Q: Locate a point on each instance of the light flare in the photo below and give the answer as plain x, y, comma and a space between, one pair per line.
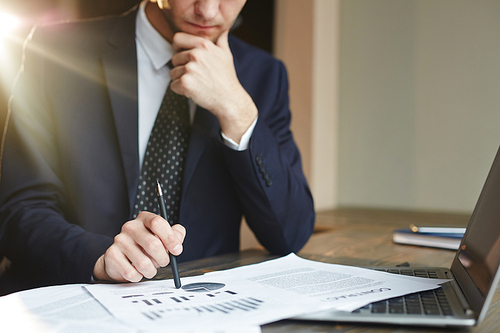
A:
8, 23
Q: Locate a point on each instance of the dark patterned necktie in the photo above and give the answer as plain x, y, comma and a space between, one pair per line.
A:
165, 157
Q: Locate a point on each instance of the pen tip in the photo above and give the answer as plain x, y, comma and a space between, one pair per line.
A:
158, 188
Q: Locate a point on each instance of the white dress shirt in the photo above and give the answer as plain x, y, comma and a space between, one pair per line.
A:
153, 54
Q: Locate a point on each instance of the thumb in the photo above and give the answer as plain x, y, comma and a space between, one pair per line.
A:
222, 41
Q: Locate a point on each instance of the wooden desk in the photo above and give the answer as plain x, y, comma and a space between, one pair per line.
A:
356, 237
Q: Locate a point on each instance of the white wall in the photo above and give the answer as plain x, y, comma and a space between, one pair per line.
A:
325, 103
419, 120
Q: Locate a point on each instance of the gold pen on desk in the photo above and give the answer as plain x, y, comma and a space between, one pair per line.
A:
173, 259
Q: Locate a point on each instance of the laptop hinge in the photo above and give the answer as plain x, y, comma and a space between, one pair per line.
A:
460, 294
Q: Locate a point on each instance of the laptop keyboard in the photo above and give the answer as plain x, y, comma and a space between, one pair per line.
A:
430, 303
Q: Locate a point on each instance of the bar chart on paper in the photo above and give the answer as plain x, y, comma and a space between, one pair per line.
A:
200, 299
150, 305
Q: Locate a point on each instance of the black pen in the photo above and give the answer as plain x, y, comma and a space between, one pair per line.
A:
173, 259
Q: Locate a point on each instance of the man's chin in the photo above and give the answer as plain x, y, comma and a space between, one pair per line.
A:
210, 34
211, 37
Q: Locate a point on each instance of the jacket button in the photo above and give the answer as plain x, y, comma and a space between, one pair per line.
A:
268, 179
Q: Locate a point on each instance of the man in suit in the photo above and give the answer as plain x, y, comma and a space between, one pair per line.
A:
81, 115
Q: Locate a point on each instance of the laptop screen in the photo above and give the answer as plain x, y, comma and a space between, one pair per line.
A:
479, 253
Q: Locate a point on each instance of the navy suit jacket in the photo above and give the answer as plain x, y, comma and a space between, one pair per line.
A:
70, 163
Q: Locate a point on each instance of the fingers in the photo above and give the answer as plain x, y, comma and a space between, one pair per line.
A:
179, 60
167, 236
204, 71
184, 44
114, 266
127, 265
183, 41
142, 246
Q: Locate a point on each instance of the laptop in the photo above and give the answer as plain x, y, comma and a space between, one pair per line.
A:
474, 272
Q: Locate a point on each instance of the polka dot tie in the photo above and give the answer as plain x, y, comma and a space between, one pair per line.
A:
165, 157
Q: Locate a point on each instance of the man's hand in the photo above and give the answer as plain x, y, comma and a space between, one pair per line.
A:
204, 71
139, 249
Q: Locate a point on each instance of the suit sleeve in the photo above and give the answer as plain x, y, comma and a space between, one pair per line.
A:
268, 176
35, 232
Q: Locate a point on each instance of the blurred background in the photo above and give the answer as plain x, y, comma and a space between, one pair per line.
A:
395, 103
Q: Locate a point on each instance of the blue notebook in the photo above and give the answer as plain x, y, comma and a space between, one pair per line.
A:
443, 240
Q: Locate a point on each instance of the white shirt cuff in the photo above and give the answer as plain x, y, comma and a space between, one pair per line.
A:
245, 139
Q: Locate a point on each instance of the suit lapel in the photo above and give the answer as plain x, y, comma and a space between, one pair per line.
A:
205, 126
120, 67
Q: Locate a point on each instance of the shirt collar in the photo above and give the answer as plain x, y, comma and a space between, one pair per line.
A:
157, 48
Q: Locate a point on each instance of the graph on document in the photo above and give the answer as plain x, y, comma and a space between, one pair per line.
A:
195, 300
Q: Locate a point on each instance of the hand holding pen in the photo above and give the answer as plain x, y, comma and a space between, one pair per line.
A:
143, 245
173, 259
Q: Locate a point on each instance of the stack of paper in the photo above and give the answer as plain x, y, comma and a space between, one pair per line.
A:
238, 299
253, 295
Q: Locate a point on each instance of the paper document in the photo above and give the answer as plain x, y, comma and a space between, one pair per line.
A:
214, 301
67, 309
341, 287
252, 295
